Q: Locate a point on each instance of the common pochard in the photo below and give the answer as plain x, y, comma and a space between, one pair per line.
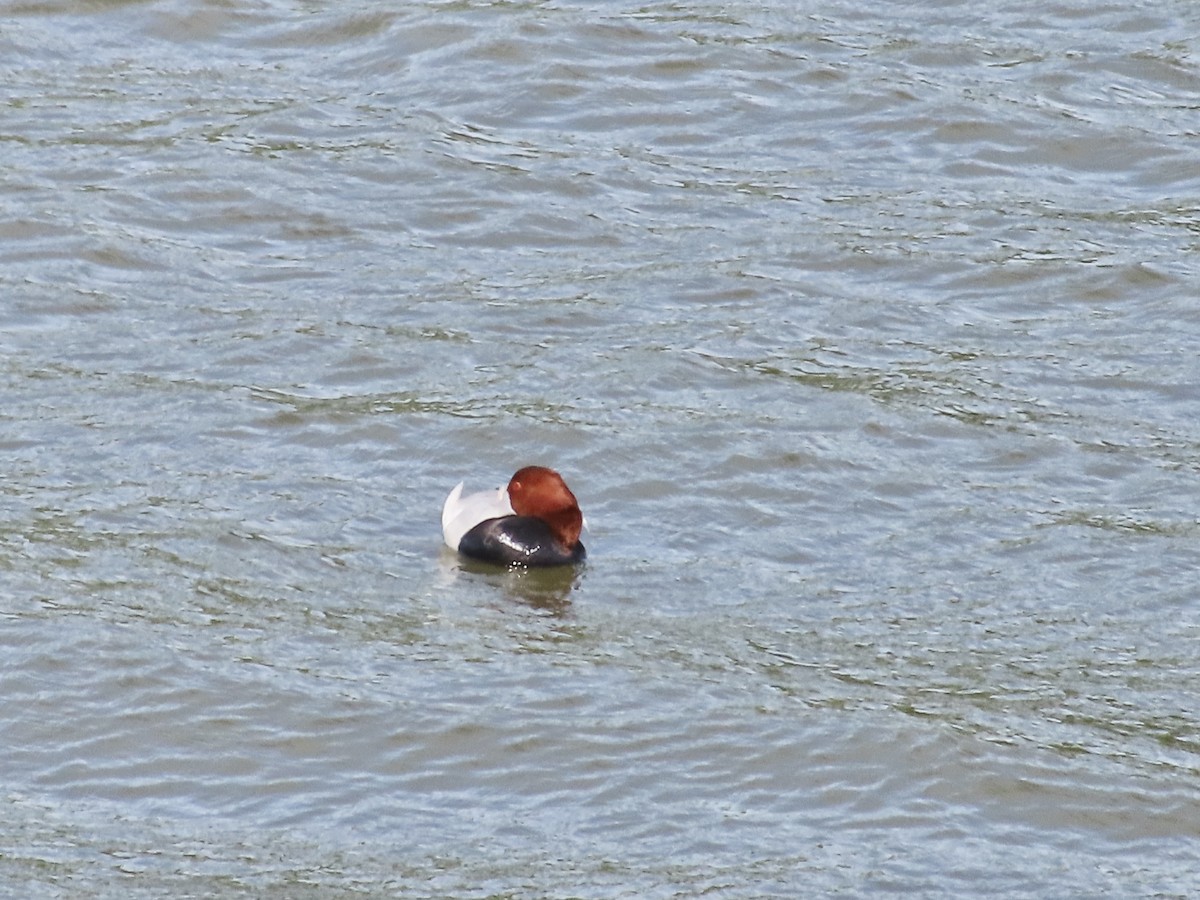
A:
534, 521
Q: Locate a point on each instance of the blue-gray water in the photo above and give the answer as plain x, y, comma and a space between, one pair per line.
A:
868, 335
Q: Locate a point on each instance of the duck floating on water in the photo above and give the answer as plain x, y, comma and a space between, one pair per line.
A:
534, 521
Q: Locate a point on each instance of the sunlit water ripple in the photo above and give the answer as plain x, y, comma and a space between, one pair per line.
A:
866, 336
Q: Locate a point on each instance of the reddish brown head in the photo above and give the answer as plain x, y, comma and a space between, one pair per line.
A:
538, 491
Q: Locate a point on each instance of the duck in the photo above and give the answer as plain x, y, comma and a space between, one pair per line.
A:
533, 521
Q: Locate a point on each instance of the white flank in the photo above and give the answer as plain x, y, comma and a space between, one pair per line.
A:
460, 514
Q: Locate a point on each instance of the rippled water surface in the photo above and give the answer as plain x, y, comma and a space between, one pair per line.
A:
866, 333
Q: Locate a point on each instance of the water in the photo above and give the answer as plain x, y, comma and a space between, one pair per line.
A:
866, 336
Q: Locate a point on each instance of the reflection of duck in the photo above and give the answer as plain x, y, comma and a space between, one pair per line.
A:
545, 589
535, 521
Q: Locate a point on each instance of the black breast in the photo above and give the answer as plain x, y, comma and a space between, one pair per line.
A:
524, 540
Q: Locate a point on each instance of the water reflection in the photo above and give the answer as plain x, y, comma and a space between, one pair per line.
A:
544, 589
